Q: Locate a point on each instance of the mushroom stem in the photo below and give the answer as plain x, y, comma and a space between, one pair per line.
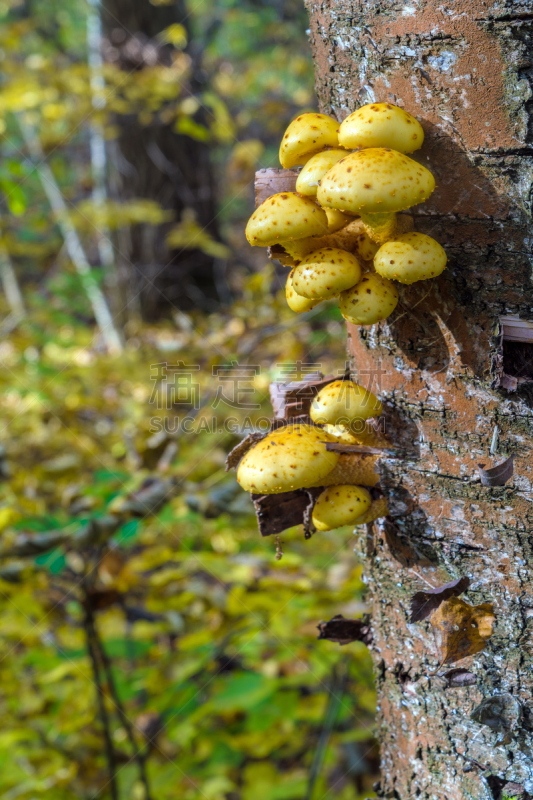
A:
352, 468
381, 226
377, 509
299, 248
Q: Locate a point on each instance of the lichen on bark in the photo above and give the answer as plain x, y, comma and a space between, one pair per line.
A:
464, 71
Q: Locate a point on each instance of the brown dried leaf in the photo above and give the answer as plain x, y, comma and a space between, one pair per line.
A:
498, 475
273, 181
459, 677
343, 631
294, 398
461, 629
277, 512
423, 604
235, 455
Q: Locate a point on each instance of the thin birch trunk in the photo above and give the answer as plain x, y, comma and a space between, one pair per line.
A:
96, 133
75, 249
10, 285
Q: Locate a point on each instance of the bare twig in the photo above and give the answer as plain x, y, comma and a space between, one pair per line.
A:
337, 688
90, 632
138, 756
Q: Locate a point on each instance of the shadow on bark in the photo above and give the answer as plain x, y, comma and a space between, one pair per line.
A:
449, 322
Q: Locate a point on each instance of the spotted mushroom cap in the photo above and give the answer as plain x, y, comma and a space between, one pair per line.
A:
341, 402
306, 135
295, 301
340, 505
381, 125
373, 299
325, 273
309, 178
293, 457
375, 180
283, 217
410, 257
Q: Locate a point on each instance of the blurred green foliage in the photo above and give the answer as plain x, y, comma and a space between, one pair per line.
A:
209, 642
213, 641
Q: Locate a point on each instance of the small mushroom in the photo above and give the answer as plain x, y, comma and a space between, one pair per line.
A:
353, 236
372, 300
340, 505
295, 457
381, 125
410, 257
375, 183
298, 249
343, 402
337, 219
359, 431
309, 178
342, 434
325, 273
306, 135
284, 217
365, 247
295, 301
378, 509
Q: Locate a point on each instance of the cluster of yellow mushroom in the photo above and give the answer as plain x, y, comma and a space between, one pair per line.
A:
340, 231
296, 457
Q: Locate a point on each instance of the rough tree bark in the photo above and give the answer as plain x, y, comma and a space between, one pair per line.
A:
464, 70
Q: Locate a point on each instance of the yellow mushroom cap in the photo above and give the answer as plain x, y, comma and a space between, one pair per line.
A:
340, 505
341, 434
410, 257
305, 136
376, 180
381, 125
295, 301
309, 178
325, 273
283, 217
359, 432
341, 402
293, 457
336, 219
373, 298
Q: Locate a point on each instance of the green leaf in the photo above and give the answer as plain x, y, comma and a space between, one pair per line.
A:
243, 691
14, 196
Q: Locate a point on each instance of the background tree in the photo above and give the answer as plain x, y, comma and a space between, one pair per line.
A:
448, 382
164, 157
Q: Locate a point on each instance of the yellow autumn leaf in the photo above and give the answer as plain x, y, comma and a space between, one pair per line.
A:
8, 516
189, 235
461, 629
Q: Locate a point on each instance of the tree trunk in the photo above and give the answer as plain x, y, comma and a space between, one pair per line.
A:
152, 161
463, 70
